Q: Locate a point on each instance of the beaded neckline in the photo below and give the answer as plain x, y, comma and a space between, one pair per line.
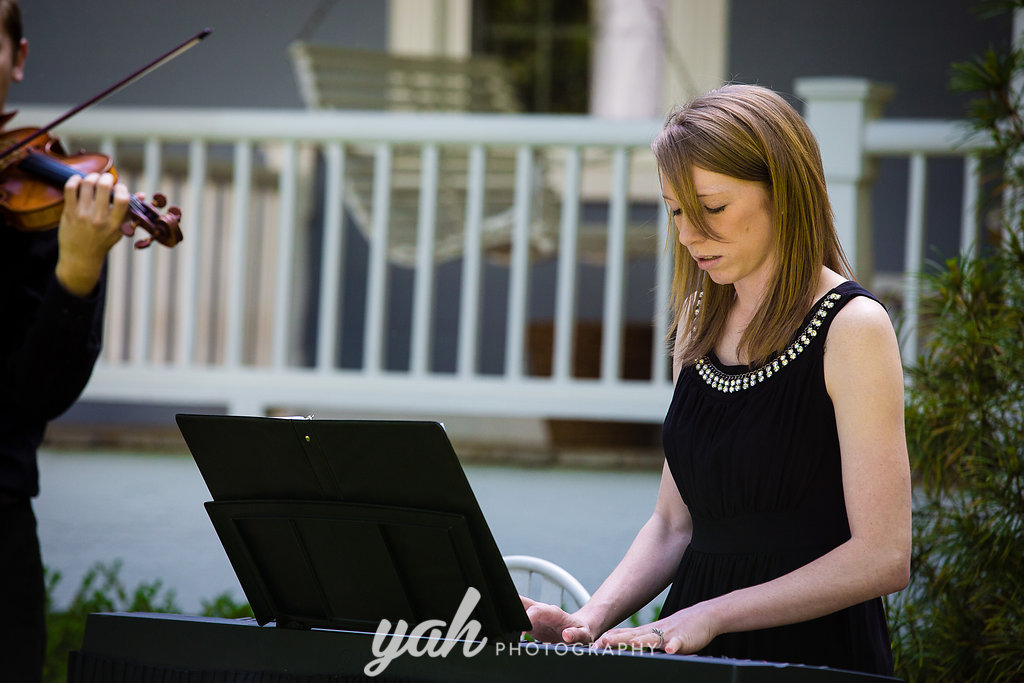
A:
726, 383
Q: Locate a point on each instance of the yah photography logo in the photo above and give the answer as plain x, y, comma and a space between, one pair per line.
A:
429, 638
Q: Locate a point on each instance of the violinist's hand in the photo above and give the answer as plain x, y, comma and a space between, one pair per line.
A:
553, 625
685, 632
89, 226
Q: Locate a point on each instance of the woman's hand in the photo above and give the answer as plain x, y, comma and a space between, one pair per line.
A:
92, 222
554, 625
685, 632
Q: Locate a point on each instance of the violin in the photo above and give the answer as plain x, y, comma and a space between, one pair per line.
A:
34, 168
32, 181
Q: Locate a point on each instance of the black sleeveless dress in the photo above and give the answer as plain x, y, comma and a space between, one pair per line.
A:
755, 455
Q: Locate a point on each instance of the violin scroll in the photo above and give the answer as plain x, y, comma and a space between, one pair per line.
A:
161, 227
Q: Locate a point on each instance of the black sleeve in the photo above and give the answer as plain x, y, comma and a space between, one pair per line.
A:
47, 372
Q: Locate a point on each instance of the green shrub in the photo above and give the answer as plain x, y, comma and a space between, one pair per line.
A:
102, 590
962, 616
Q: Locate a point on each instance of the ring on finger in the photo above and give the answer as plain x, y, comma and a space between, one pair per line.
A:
661, 637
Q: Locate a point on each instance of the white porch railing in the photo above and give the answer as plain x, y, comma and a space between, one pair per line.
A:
220, 318
238, 316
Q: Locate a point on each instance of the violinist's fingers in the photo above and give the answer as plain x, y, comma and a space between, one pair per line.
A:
80, 193
71, 189
97, 204
93, 202
119, 206
98, 198
88, 229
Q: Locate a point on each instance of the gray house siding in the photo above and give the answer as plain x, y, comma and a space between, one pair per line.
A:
909, 44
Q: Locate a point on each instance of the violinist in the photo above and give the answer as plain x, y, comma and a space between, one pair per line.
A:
52, 285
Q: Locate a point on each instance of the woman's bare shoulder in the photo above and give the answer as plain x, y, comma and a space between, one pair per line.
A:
862, 344
861, 315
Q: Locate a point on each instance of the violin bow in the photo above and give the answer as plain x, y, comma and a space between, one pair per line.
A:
131, 78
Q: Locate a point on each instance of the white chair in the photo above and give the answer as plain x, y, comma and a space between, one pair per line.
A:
545, 581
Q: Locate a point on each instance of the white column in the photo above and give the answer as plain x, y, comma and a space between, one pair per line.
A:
627, 59
838, 110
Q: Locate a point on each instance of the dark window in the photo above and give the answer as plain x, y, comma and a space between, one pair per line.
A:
544, 44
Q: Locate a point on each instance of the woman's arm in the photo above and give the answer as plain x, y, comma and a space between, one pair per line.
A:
643, 572
864, 378
649, 564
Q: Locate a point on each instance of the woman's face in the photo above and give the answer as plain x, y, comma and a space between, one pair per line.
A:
739, 212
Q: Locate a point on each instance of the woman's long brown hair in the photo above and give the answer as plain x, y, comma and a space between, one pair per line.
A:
750, 133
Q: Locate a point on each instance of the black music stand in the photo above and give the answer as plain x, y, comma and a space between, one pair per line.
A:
340, 524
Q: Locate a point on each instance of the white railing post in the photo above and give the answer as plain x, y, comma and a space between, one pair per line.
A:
518, 273
615, 270
838, 110
423, 288
469, 313
237, 250
374, 336
565, 296
329, 316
